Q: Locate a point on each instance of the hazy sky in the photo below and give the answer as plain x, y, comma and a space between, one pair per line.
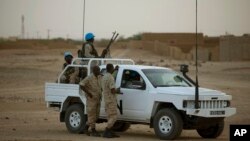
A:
128, 17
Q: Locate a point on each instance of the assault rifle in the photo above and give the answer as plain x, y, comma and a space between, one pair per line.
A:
107, 49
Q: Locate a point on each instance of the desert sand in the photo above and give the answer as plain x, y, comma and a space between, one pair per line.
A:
24, 71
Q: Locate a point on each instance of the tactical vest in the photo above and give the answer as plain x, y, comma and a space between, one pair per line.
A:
81, 53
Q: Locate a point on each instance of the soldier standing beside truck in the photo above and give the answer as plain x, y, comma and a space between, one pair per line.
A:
91, 85
109, 92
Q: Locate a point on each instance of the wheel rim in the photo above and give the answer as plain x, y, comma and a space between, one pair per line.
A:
165, 124
75, 119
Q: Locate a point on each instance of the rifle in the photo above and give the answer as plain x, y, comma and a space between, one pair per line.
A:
113, 38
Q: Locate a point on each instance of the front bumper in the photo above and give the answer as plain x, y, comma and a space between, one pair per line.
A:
223, 112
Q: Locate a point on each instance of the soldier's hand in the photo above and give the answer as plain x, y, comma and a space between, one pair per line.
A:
118, 90
90, 95
105, 51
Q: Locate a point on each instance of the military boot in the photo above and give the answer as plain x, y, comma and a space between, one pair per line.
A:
114, 134
109, 134
94, 133
86, 130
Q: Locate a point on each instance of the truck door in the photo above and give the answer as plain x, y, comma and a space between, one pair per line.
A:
134, 95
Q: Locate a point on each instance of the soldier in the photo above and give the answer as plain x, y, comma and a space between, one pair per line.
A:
91, 85
109, 93
88, 49
70, 75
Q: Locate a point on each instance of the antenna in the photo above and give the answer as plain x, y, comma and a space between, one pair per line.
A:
22, 28
196, 60
48, 33
37, 35
84, 3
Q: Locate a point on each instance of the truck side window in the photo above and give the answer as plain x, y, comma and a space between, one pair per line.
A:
132, 80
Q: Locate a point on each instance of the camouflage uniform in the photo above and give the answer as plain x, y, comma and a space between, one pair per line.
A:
70, 75
108, 83
93, 84
88, 51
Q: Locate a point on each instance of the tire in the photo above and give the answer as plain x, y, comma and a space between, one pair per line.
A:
213, 131
167, 124
121, 126
75, 119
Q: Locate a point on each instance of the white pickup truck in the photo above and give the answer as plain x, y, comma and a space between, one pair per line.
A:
156, 96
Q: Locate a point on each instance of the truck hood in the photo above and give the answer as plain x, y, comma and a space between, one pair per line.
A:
187, 91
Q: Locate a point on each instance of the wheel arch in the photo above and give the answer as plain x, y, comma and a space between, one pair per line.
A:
69, 101
158, 106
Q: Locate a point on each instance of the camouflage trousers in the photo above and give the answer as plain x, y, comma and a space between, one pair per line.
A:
111, 110
93, 110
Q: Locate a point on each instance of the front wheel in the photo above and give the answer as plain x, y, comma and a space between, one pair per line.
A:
167, 124
75, 119
212, 131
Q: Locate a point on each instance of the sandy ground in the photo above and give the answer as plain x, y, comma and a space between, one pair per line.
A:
23, 112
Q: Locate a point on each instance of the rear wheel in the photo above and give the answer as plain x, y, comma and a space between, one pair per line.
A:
212, 131
167, 124
121, 126
75, 119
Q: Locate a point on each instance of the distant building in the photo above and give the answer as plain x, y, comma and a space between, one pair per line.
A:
234, 48
224, 48
185, 41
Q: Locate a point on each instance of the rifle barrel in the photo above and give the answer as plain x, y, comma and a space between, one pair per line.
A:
113, 38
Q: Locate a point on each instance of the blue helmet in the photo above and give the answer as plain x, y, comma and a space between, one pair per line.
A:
89, 36
67, 54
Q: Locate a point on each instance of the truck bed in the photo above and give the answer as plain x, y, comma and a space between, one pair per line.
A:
56, 93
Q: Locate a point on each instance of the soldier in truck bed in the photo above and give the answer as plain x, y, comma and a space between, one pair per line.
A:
88, 48
71, 74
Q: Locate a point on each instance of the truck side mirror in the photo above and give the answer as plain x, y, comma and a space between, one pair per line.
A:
184, 68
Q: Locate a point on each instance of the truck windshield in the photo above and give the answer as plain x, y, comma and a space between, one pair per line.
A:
165, 78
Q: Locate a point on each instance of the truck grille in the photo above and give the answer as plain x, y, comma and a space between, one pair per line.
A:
209, 104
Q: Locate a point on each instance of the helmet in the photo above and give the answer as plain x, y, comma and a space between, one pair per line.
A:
89, 36
67, 54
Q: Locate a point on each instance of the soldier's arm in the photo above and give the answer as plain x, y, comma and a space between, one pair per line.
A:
113, 91
83, 87
86, 91
112, 85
